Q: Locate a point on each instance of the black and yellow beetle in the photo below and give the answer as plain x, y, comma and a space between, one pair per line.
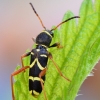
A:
38, 60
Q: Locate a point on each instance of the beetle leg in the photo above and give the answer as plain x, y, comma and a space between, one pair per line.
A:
24, 55
58, 45
42, 73
50, 56
11, 78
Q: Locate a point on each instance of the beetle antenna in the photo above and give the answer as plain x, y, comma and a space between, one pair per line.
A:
64, 22
37, 16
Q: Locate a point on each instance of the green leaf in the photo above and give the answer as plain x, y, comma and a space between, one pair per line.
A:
80, 39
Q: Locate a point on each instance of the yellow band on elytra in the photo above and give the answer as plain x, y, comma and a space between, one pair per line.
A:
35, 93
35, 79
43, 55
39, 65
33, 63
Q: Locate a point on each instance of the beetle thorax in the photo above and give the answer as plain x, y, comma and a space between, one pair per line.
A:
44, 38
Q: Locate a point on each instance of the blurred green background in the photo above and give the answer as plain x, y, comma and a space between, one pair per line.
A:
18, 24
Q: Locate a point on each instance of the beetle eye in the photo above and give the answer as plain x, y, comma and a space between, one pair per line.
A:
51, 33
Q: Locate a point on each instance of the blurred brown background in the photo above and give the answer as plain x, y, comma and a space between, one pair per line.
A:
18, 24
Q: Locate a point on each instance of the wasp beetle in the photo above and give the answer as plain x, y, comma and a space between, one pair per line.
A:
38, 60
